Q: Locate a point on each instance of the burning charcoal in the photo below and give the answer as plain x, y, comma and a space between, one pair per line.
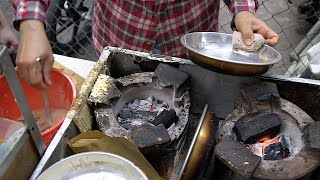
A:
286, 152
128, 114
166, 118
237, 157
313, 135
256, 149
148, 135
285, 146
159, 107
253, 127
169, 76
140, 111
273, 151
129, 119
131, 123
140, 105
259, 147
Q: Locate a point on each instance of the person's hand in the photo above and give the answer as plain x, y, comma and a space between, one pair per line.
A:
8, 38
33, 44
247, 23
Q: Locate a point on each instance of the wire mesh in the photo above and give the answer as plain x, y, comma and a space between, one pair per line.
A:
69, 29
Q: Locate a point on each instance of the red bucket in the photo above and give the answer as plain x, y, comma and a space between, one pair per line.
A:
62, 94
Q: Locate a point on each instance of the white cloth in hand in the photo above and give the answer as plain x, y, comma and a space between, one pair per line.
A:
238, 43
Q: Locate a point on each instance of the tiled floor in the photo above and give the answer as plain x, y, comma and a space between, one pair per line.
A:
278, 14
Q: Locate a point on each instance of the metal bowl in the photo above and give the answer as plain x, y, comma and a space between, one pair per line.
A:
94, 165
214, 51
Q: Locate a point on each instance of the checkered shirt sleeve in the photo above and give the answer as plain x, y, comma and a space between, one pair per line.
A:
29, 9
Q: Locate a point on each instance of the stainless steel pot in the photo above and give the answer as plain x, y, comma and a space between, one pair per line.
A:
94, 165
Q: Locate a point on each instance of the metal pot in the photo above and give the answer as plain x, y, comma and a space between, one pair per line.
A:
213, 51
94, 165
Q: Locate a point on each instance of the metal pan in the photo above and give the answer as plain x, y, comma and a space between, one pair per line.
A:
201, 149
214, 51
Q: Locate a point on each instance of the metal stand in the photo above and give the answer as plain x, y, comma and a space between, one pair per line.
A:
9, 71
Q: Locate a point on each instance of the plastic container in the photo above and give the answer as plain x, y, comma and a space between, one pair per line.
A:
7, 128
62, 94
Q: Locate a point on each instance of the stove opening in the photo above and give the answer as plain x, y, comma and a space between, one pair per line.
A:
149, 110
269, 148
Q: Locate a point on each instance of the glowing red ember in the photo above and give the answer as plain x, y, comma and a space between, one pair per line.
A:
270, 148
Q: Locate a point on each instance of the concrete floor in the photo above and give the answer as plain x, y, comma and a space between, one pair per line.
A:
278, 14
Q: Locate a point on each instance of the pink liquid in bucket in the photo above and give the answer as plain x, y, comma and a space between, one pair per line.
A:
62, 94
41, 118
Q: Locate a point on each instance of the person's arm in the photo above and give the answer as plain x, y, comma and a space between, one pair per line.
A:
7, 36
236, 6
247, 23
30, 21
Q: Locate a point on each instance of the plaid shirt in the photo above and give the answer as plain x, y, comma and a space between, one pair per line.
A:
142, 24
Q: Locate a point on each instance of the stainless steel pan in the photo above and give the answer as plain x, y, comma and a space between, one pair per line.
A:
201, 148
214, 51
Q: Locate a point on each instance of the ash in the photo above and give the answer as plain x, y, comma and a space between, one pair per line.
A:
135, 113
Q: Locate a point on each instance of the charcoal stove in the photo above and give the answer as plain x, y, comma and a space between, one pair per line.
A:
206, 87
294, 122
127, 108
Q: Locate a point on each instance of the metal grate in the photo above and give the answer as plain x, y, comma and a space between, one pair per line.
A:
69, 29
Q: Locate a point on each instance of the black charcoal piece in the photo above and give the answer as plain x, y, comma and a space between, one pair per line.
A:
273, 151
166, 117
169, 76
261, 92
148, 135
253, 127
128, 114
313, 135
237, 157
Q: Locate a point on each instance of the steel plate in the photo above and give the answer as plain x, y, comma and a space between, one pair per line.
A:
214, 51
94, 165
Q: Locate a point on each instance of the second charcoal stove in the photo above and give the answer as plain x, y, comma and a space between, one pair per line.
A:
264, 137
